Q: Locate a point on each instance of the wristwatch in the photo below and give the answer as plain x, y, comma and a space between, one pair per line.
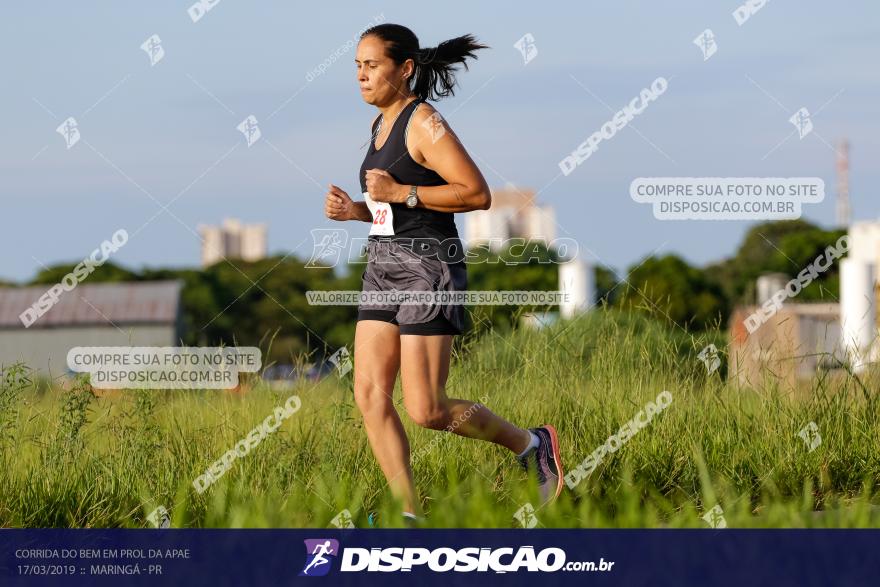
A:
412, 199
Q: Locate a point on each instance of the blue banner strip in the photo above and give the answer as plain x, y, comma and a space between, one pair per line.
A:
439, 557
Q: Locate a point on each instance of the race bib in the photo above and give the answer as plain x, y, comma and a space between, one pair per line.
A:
383, 217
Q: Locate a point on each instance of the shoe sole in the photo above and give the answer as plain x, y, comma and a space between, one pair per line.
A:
554, 443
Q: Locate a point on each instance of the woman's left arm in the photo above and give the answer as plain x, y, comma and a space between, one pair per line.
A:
435, 146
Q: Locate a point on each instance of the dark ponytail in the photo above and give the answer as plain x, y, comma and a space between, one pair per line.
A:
435, 67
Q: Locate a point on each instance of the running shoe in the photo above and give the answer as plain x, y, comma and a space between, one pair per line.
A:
411, 520
408, 520
545, 461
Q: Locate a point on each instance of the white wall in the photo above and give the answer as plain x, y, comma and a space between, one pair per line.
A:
45, 349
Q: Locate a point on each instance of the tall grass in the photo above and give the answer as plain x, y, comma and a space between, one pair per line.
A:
75, 458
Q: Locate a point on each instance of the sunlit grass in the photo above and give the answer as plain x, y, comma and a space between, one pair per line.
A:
70, 458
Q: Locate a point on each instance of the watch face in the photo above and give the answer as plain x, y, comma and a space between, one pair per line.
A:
412, 200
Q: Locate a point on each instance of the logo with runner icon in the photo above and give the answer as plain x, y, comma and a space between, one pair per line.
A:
318, 556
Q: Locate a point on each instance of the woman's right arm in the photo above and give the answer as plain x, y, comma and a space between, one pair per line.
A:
361, 212
339, 206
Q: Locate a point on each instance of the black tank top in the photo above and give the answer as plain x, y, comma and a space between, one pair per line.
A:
430, 228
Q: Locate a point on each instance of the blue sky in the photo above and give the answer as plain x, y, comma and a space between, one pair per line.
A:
149, 133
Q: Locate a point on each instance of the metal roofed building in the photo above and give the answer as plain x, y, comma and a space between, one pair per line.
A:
101, 314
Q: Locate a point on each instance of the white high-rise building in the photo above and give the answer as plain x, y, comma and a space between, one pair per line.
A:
514, 214
232, 240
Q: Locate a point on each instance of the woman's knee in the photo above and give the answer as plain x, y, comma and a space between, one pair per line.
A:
371, 397
433, 416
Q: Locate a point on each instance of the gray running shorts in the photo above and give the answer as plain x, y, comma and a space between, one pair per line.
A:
392, 266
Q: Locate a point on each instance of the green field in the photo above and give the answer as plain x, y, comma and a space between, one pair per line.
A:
71, 459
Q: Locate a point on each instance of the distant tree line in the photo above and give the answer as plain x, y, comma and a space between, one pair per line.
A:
251, 303
668, 288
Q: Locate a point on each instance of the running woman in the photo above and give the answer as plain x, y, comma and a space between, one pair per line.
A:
415, 176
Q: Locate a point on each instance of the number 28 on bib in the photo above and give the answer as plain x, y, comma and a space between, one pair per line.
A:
383, 217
